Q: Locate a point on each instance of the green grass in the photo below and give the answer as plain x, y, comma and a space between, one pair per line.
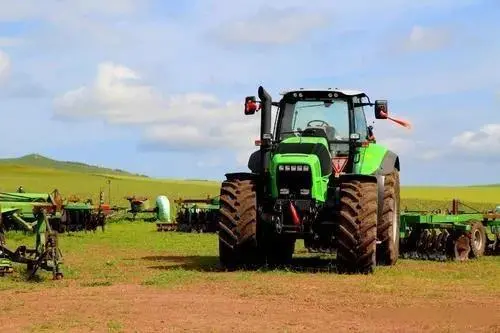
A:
137, 253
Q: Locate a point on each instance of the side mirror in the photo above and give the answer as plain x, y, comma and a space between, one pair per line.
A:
251, 105
381, 110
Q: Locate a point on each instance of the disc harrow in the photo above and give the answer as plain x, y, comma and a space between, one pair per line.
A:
451, 235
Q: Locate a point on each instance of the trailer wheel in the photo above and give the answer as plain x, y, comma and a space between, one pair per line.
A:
478, 239
237, 223
388, 227
356, 252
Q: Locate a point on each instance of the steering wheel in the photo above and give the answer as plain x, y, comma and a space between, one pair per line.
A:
324, 123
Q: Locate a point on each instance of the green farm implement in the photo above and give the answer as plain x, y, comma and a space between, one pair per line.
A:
319, 176
139, 205
63, 215
193, 215
451, 234
23, 203
45, 255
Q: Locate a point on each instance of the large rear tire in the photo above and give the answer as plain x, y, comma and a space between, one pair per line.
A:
388, 226
237, 224
356, 252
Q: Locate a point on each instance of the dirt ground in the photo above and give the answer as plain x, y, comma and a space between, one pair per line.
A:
286, 306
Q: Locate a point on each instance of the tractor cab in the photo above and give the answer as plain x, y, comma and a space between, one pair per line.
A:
336, 115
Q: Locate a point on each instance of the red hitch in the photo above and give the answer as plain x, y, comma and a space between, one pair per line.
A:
294, 214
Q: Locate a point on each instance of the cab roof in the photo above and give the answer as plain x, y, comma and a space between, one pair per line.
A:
347, 92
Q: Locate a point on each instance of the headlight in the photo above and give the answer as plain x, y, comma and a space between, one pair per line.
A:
295, 167
284, 191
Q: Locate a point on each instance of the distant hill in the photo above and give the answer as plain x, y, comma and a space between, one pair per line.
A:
36, 160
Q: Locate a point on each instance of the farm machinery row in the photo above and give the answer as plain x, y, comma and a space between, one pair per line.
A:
191, 214
67, 215
44, 216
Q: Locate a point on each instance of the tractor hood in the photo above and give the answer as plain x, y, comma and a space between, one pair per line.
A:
305, 150
288, 172
300, 145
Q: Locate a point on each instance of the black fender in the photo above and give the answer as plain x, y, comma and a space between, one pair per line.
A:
389, 163
352, 176
254, 161
241, 176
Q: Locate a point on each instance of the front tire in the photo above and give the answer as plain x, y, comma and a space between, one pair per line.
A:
356, 252
237, 224
388, 227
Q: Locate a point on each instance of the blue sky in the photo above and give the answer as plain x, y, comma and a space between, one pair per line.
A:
156, 87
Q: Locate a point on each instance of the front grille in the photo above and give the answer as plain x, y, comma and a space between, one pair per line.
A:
294, 181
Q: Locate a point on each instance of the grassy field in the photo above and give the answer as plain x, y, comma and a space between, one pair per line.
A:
120, 273
132, 278
85, 185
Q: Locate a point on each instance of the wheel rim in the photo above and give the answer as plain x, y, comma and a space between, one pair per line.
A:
394, 222
478, 239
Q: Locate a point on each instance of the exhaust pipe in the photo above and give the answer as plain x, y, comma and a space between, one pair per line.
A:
265, 127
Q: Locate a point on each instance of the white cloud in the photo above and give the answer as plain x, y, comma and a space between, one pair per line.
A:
427, 39
187, 121
485, 141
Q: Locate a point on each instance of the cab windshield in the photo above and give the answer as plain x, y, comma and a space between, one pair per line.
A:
331, 116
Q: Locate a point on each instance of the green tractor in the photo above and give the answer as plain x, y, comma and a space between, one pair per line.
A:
319, 176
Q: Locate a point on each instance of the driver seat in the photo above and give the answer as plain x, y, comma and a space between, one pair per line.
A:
328, 132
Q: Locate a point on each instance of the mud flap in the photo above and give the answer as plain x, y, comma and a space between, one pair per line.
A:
380, 198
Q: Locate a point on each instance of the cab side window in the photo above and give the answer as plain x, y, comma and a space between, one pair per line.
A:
360, 124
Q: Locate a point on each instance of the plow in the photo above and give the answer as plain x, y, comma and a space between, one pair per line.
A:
45, 255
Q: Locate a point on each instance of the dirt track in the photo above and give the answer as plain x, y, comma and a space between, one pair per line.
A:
215, 306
